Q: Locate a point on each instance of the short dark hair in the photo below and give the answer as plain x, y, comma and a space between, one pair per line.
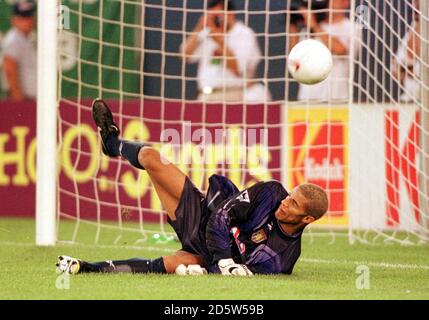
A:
317, 200
230, 5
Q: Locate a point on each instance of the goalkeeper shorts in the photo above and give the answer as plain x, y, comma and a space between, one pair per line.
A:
191, 220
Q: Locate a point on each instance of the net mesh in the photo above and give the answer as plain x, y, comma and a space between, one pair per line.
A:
358, 135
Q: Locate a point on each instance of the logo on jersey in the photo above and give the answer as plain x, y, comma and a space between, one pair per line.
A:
243, 197
241, 246
259, 236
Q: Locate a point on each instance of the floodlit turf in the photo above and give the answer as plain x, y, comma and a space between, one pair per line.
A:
325, 271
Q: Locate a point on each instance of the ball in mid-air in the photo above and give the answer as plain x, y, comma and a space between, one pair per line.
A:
310, 62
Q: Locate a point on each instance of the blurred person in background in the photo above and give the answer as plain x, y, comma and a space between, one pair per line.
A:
227, 53
336, 31
406, 64
19, 54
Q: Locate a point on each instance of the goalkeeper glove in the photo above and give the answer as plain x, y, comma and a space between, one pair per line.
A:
228, 267
192, 270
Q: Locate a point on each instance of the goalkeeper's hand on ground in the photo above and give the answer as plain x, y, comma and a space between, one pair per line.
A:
191, 270
229, 268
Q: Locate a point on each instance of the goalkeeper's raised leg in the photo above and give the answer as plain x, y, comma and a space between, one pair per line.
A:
168, 180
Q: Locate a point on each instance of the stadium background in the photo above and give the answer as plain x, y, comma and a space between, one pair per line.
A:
379, 37
174, 86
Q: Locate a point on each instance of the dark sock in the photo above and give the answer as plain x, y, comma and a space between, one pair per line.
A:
130, 151
135, 265
112, 145
127, 149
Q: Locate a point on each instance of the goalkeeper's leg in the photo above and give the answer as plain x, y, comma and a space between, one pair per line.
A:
167, 264
167, 179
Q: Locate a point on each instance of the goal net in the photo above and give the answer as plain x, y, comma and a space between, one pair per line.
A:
361, 134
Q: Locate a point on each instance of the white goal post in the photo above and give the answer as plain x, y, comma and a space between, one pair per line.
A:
47, 104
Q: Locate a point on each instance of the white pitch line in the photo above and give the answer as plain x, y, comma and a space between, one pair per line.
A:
104, 246
17, 244
368, 263
98, 246
308, 260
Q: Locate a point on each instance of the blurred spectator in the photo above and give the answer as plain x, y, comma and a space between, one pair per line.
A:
406, 66
336, 31
257, 92
227, 53
19, 53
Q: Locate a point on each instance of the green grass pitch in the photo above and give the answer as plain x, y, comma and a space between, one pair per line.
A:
326, 270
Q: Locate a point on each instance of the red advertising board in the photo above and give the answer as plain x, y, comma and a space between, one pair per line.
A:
200, 139
317, 153
401, 164
17, 158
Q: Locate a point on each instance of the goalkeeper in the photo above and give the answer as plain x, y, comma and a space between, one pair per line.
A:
257, 230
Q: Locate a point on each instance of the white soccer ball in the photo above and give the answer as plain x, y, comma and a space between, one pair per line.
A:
310, 62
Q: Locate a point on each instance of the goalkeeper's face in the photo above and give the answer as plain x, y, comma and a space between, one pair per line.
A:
292, 209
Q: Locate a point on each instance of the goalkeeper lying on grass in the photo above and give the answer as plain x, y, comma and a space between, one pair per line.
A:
257, 230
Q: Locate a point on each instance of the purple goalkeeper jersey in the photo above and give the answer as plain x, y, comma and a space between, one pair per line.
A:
243, 227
